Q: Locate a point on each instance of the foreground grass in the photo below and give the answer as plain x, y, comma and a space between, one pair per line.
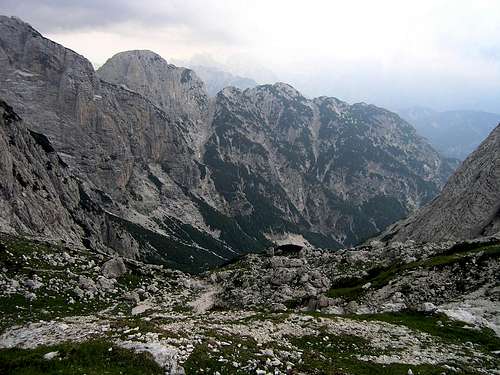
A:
92, 357
238, 350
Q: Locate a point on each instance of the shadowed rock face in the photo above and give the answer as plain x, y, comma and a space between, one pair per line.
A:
469, 205
39, 196
191, 182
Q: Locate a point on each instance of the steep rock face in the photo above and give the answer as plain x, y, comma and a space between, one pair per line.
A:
329, 171
469, 205
39, 196
34, 184
181, 180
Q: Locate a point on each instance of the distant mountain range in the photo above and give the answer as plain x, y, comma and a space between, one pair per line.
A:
453, 133
215, 79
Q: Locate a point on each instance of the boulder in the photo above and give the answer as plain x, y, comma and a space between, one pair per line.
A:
87, 283
105, 283
132, 297
139, 309
113, 268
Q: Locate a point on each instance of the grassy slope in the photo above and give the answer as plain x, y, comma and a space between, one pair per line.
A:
92, 357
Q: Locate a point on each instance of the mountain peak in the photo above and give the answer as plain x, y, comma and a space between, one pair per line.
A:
147, 73
140, 54
286, 88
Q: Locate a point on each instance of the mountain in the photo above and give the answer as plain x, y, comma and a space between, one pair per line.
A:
324, 169
182, 179
215, 79
469, 205
453, 133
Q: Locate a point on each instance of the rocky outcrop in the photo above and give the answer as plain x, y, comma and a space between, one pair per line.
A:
469, 205
366, 280
191, 182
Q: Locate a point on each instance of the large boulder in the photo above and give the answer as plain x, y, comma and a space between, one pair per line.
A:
113, 268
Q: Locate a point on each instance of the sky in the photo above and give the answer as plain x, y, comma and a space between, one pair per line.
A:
443, 54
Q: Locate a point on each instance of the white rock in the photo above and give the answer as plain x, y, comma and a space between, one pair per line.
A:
50, 355
139, 309
113, 268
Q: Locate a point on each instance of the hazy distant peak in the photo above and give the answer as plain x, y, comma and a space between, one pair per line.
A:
216, 79
454, 133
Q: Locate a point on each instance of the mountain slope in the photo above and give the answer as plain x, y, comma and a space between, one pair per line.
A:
454, 133
136, 157
469, 205
286, 163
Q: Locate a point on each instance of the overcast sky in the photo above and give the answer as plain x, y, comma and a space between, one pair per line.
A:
395, 53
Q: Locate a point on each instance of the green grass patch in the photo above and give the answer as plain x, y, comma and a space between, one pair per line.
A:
16, 309
240, 350
92, 357
131, 280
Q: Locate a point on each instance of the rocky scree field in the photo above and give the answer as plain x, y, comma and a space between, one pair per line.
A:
397, 309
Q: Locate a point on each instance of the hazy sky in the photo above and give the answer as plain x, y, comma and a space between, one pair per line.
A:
395, 53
